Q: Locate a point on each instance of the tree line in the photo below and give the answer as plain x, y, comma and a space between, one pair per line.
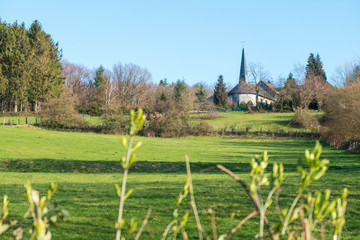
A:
128, 86
30, 69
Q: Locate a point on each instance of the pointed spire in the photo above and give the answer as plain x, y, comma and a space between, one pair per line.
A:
243, 71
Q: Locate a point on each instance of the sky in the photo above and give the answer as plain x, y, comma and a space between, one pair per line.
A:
197, 40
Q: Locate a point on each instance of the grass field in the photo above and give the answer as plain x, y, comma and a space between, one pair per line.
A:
86, 166
267, 121
223, 121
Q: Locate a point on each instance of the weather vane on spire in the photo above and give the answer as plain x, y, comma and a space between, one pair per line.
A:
242, 43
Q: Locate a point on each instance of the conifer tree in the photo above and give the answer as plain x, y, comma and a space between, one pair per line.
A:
319, 68
220, 94
311, 66
201, 94
163, 97
46, 77
314, 67
163, 82
179, 89
99, 77
30, 66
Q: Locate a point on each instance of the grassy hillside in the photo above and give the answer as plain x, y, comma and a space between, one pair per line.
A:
241, 120
86, 167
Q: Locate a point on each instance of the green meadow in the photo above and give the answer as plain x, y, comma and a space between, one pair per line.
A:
221, 121
266, 121
85, 166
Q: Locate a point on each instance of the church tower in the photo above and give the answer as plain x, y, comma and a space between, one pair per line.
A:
243, 71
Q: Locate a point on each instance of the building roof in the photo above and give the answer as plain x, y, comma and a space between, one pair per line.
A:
243, 71
248, 88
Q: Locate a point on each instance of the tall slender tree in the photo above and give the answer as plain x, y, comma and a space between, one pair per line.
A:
220, 94
319, 68
99, 78
47, 76
311, 66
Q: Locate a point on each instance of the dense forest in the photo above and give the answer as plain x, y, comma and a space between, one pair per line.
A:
30, 68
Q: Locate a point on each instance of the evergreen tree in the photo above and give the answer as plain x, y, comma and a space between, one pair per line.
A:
292, 97
319, 68
163, 82
314, 67
30, 66
163, 97
47, 77
179, 89
15, 68
311, 66
99, 77
220, 94
201, 94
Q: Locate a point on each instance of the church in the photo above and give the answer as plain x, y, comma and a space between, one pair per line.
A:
246, 92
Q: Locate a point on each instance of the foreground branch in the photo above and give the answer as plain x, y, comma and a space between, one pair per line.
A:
247, 190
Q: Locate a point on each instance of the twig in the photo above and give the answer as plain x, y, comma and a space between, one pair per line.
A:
254, 213
213, 224
291, 235
123, 188
322, 233
167, 229
286, 222
184, 234
278, 210
143, 225
247, 190
193, 204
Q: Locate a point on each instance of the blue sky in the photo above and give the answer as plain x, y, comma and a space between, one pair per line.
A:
197, 40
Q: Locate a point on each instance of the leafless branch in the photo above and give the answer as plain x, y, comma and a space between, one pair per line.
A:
141, 229
247, 190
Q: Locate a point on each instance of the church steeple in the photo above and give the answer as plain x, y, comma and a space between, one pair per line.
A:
243, 71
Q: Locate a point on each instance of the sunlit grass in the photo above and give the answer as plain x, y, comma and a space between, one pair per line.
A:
86, 166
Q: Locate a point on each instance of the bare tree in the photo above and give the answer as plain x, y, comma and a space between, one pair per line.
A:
258, 74
109, 88
348, 73
130, 82
314, 89
77, 79
342, 116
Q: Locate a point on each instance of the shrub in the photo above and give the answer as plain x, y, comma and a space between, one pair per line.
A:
174, 124
303, 119
59, 113
114, 121
44, 214
342, 117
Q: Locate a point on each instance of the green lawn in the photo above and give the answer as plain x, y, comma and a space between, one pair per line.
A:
241, 120
85, 167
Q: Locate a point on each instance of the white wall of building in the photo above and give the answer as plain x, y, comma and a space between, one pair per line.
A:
238, 98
